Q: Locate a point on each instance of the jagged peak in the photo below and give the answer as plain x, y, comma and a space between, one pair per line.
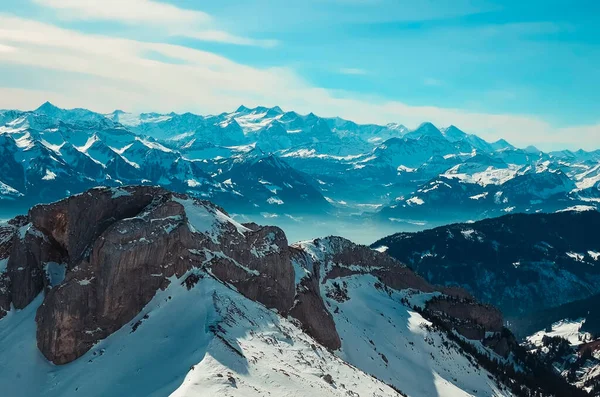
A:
47, 107
452, 128
396, 126
426, 129
426, 125
311, 116
274, 111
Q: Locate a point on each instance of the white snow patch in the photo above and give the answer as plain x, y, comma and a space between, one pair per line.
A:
415, 201
154, 145
595, 255
193, 183
6, 190
374, 324
88, 144
274, 200
578, 208
576, 256
468, 234
49, 176
479, 196
207, 220
403, 168
566, 329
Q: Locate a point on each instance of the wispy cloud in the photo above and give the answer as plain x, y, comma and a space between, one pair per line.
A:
353, 71
6, 48
174, 21
219, 36
103, 73
128, 11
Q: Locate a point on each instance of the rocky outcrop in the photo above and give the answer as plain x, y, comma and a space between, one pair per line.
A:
31, 251
309, 307
7, 232
343, 258
77, 221
258, 264
101, 256
335, 259
470, 318
502, 343
118, 247
24, 252
128, 263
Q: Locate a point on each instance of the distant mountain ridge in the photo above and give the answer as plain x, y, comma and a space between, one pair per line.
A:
386, 174
521, 262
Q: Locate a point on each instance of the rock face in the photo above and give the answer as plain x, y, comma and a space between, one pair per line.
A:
127, 264
471, 319
309, 307
76, 222
117, 247
258, 264
7, 234
335, 258
31, 251
101, 256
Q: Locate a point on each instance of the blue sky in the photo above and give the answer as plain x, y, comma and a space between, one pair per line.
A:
526, 71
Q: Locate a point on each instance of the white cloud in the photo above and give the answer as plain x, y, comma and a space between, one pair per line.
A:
353, 71
172, 20
103, 73
6, 48
128, 11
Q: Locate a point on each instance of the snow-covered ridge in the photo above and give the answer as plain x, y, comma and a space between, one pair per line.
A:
361, 168
227, 308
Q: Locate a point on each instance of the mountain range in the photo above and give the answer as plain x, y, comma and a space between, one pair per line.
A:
290, 169
91, 280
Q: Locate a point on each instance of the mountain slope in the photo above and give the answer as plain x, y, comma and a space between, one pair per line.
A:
521, 263
199, 342
141, 291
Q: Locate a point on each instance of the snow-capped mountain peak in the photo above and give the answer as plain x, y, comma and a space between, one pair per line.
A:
453, 134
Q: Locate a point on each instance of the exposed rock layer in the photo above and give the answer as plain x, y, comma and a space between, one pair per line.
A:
117, 247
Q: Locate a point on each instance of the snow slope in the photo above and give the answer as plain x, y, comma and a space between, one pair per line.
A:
383, 335
395, 343
566, 329
206, 341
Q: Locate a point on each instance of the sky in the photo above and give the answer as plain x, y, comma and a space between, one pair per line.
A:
526, 71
